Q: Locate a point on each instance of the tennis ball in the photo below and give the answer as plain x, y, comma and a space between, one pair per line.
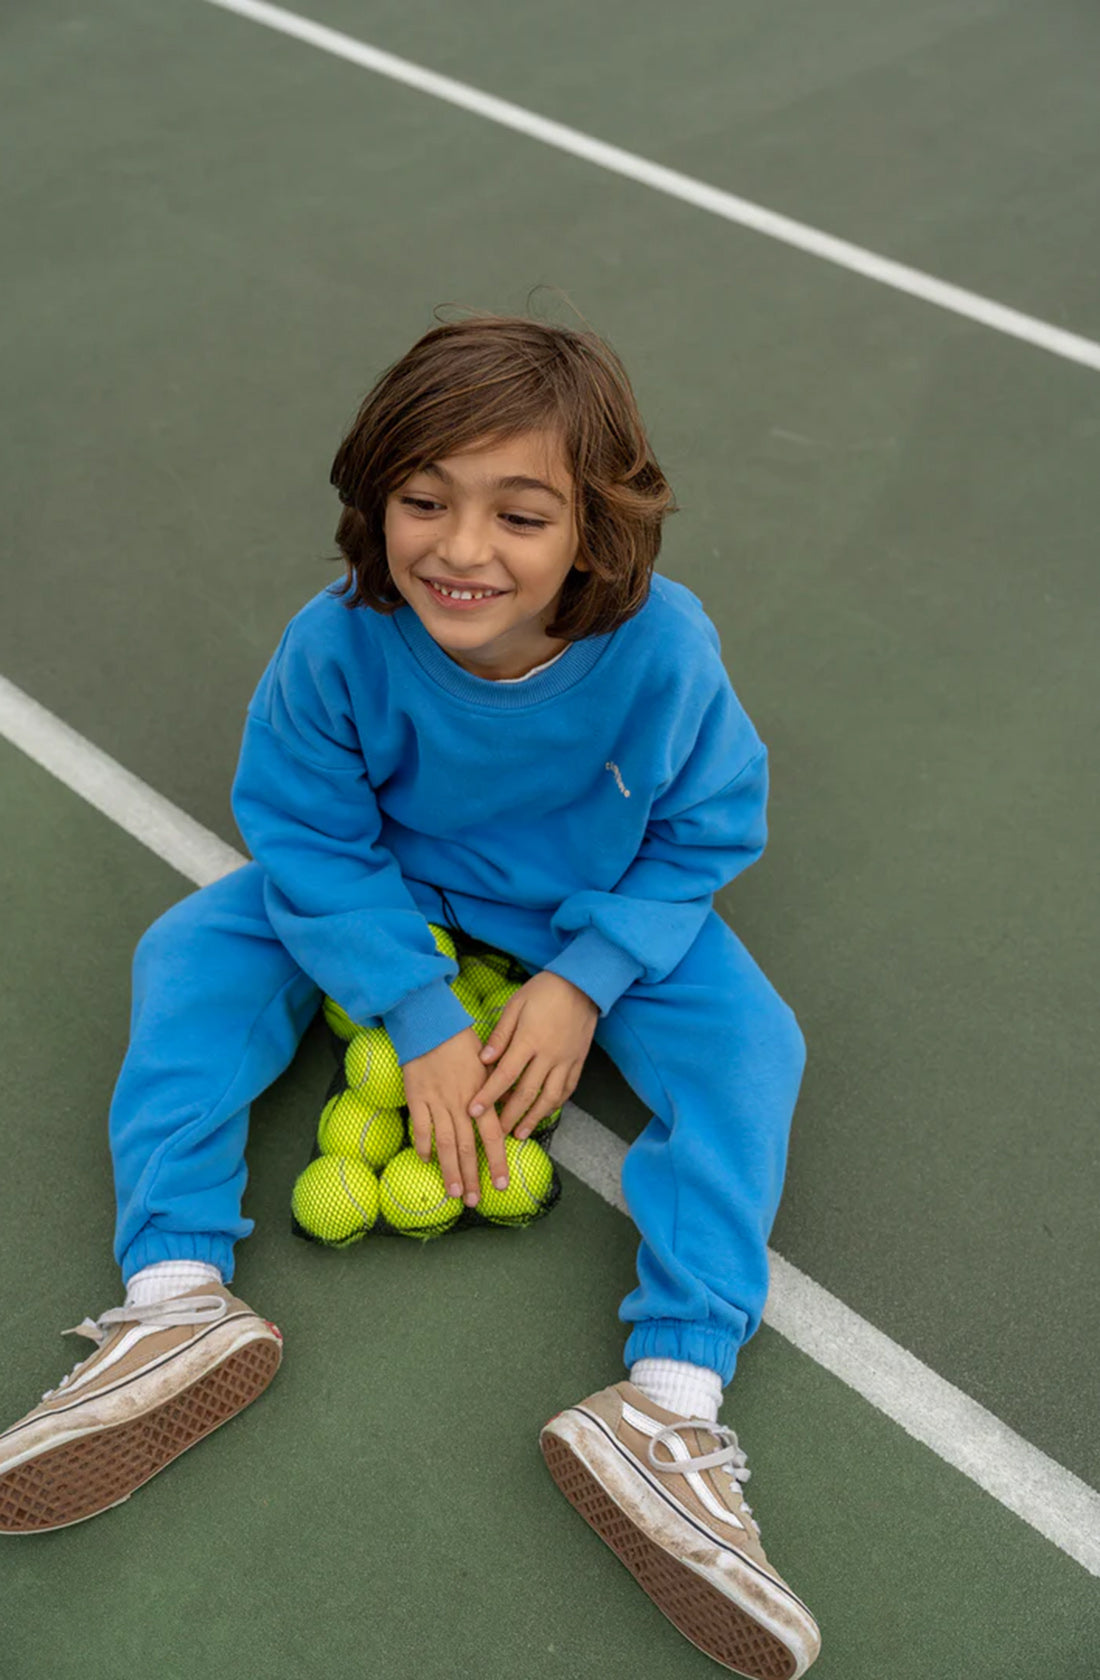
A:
336, 1200
339, 1019
443, 940
490, 1009
477, 974
530, 1180
546, 1122
499, 961
494, 1000
351, 1124
413, 1196
466, 994
372, 1068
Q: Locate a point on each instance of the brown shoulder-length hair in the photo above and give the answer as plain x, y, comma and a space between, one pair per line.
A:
483, 380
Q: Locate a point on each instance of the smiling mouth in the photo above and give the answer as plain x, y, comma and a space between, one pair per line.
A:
457, 601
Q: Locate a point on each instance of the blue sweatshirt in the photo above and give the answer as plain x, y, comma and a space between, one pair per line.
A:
598, 804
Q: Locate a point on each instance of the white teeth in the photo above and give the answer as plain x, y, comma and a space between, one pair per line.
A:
465, 594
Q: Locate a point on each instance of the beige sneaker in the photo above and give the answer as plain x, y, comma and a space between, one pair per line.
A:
665, 1493
162, 1377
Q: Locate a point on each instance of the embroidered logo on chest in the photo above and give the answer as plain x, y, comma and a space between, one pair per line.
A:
625, 791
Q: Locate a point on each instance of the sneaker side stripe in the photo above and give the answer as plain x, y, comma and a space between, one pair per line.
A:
641, 1421
694, 1478
634, 1463
44, 1410
119, 1351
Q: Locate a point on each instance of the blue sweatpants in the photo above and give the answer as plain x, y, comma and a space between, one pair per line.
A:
219, 1007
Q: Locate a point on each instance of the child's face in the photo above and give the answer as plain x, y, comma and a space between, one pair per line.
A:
454, 520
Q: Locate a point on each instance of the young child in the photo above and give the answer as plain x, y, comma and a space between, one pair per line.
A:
503, 712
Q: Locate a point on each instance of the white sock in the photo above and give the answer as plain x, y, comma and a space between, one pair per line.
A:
690, 1390
165, 1278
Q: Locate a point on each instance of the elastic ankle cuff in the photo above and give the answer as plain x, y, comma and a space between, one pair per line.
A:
152, 1245
673, 1338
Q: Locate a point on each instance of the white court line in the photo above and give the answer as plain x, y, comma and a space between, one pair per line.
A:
1051, 1499
899, 276
169, 832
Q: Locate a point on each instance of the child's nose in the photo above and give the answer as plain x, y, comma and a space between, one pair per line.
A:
466, 542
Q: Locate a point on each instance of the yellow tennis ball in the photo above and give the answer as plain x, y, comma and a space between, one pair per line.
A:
466, 993
339, 1019
483, 1026
443, 940
530, 1181
336, 1200
478, 975
498, 961
492, 1005
413, 1197
490, 1009
351, 1124
372, 1068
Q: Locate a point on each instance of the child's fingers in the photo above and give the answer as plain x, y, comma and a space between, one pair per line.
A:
492, 1139
500, 1037
505, 1126
420, 1124
457, 1149
502, 1078
526, 1093
554, 1093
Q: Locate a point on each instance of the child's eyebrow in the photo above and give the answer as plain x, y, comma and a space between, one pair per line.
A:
515, 482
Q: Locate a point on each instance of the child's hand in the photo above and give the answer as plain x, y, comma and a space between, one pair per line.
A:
439, 1087
542, 1038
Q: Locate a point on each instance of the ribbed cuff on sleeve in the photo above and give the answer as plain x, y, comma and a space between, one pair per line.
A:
425, 1019
603, 971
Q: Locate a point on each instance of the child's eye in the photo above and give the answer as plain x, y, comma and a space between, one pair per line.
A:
425, 505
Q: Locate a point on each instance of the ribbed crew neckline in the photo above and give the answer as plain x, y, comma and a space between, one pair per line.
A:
565, 671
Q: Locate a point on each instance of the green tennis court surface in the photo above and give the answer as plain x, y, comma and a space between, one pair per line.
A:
217, 238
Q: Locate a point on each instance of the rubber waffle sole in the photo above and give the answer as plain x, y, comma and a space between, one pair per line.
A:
705, 1616
82, 1478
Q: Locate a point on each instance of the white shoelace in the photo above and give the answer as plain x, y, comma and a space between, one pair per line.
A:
196, 1309
730, 1457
